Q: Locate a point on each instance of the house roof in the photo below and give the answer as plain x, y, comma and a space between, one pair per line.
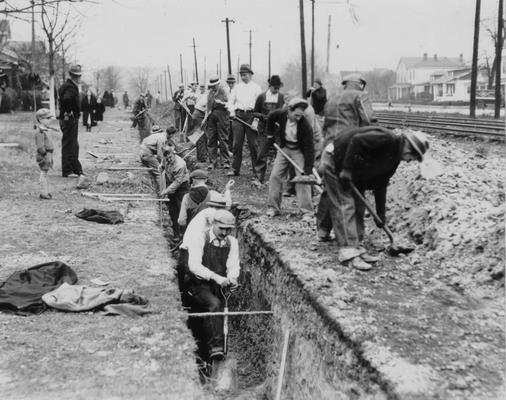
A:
430, 62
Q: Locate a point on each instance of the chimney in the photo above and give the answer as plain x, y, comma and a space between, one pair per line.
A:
435, 57
424, 56
461, 58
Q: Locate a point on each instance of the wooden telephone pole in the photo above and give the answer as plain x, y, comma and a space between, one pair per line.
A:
269, 69
195, 58
227, 21
312, 43
474, 68
328, 47
498, 56
181, 67
303, 48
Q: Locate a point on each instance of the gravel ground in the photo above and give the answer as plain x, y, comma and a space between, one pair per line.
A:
57, 355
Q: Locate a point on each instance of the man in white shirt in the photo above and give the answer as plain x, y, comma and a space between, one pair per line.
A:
151, 151
241, 104
212, 264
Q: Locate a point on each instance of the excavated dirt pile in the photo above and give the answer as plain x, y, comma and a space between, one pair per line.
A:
457, 218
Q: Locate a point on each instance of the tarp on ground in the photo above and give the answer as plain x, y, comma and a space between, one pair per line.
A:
101, 216
23, 290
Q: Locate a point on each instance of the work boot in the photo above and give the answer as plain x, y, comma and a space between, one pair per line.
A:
369, 258
45, 196
216, 353
360, 264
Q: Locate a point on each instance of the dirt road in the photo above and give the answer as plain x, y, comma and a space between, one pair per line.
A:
57, 355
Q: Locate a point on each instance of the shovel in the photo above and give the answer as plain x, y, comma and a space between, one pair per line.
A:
393, 250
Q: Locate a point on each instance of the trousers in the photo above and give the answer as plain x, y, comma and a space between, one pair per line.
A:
70, 148
239, 133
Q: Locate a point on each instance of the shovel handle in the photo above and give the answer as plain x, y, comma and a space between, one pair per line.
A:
372, 212
276, 146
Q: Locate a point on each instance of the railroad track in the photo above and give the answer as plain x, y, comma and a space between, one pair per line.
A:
466, 127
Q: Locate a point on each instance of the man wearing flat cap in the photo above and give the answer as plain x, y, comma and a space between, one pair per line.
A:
178, 184
212, 264
367, 157
241, 105
70, 110
351, 109
266, 102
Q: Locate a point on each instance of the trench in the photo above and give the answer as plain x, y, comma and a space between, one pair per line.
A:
322, 362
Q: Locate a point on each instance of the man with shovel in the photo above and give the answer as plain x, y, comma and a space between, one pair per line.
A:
212, 264
361, 159
297, 147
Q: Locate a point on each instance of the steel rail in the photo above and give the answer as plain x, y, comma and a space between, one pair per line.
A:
462, 123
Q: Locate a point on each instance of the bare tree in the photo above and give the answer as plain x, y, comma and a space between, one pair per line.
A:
140, 79
111, 77
59, 25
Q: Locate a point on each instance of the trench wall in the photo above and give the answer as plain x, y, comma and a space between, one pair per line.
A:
322, 362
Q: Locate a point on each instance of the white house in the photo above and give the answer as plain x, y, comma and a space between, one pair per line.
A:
414, 75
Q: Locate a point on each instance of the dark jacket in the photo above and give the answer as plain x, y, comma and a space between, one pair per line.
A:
372, 154
68, 99
318, 99
88, 109
178, 96
262, 108
304, 135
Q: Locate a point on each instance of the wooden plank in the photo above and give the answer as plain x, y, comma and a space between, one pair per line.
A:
9, 144
282, 365
228, 313
92, 154
108, 198
125, 168
98, 194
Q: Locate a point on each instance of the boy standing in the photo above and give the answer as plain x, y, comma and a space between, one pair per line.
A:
45, 150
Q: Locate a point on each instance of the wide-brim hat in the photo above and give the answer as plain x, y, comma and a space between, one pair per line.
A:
318, 81
231, 79
156, 129
245, 69
75, 70
216, 200
275, 81
213, 81
418, 142
224, 219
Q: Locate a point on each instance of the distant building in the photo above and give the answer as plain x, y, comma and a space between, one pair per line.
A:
415, 74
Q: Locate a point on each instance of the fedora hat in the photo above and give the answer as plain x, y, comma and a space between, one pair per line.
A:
275, 81
213, 81
418, 142
230, 78
75, 70
245, 69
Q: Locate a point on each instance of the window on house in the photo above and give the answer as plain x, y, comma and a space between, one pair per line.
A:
450, 89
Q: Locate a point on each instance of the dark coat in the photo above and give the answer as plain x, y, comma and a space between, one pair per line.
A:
318, 99
99, 111
88, 109
372, 154
304, 135
68, 100
262, 108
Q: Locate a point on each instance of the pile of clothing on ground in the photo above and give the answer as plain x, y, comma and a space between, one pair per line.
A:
53, 285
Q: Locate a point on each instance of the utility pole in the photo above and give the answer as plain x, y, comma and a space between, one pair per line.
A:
238, 65
312, 42
227, 21
219, 73
269, 67
170, 82
328, 47
166, 92
303, 48
195, 58
32, 73
98, 81
498, 56
474, 68
250, 44
205, 72
181, 66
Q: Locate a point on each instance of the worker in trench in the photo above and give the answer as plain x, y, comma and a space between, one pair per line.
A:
178, 183
366, 157
211, 260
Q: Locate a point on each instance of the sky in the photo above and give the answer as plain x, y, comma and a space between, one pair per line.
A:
153, 33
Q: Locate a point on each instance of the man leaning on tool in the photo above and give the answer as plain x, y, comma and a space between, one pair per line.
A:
213, 264
69, 105
367, 157
217, 123
241, 104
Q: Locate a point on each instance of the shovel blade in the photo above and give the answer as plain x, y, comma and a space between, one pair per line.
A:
304, 180
394, 251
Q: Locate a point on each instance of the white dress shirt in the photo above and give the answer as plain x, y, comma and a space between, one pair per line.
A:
243, 96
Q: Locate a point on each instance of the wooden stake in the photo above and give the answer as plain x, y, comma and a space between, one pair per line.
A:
129, 168
97, 194
108, 198
229, 313
282, 365
92, 154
